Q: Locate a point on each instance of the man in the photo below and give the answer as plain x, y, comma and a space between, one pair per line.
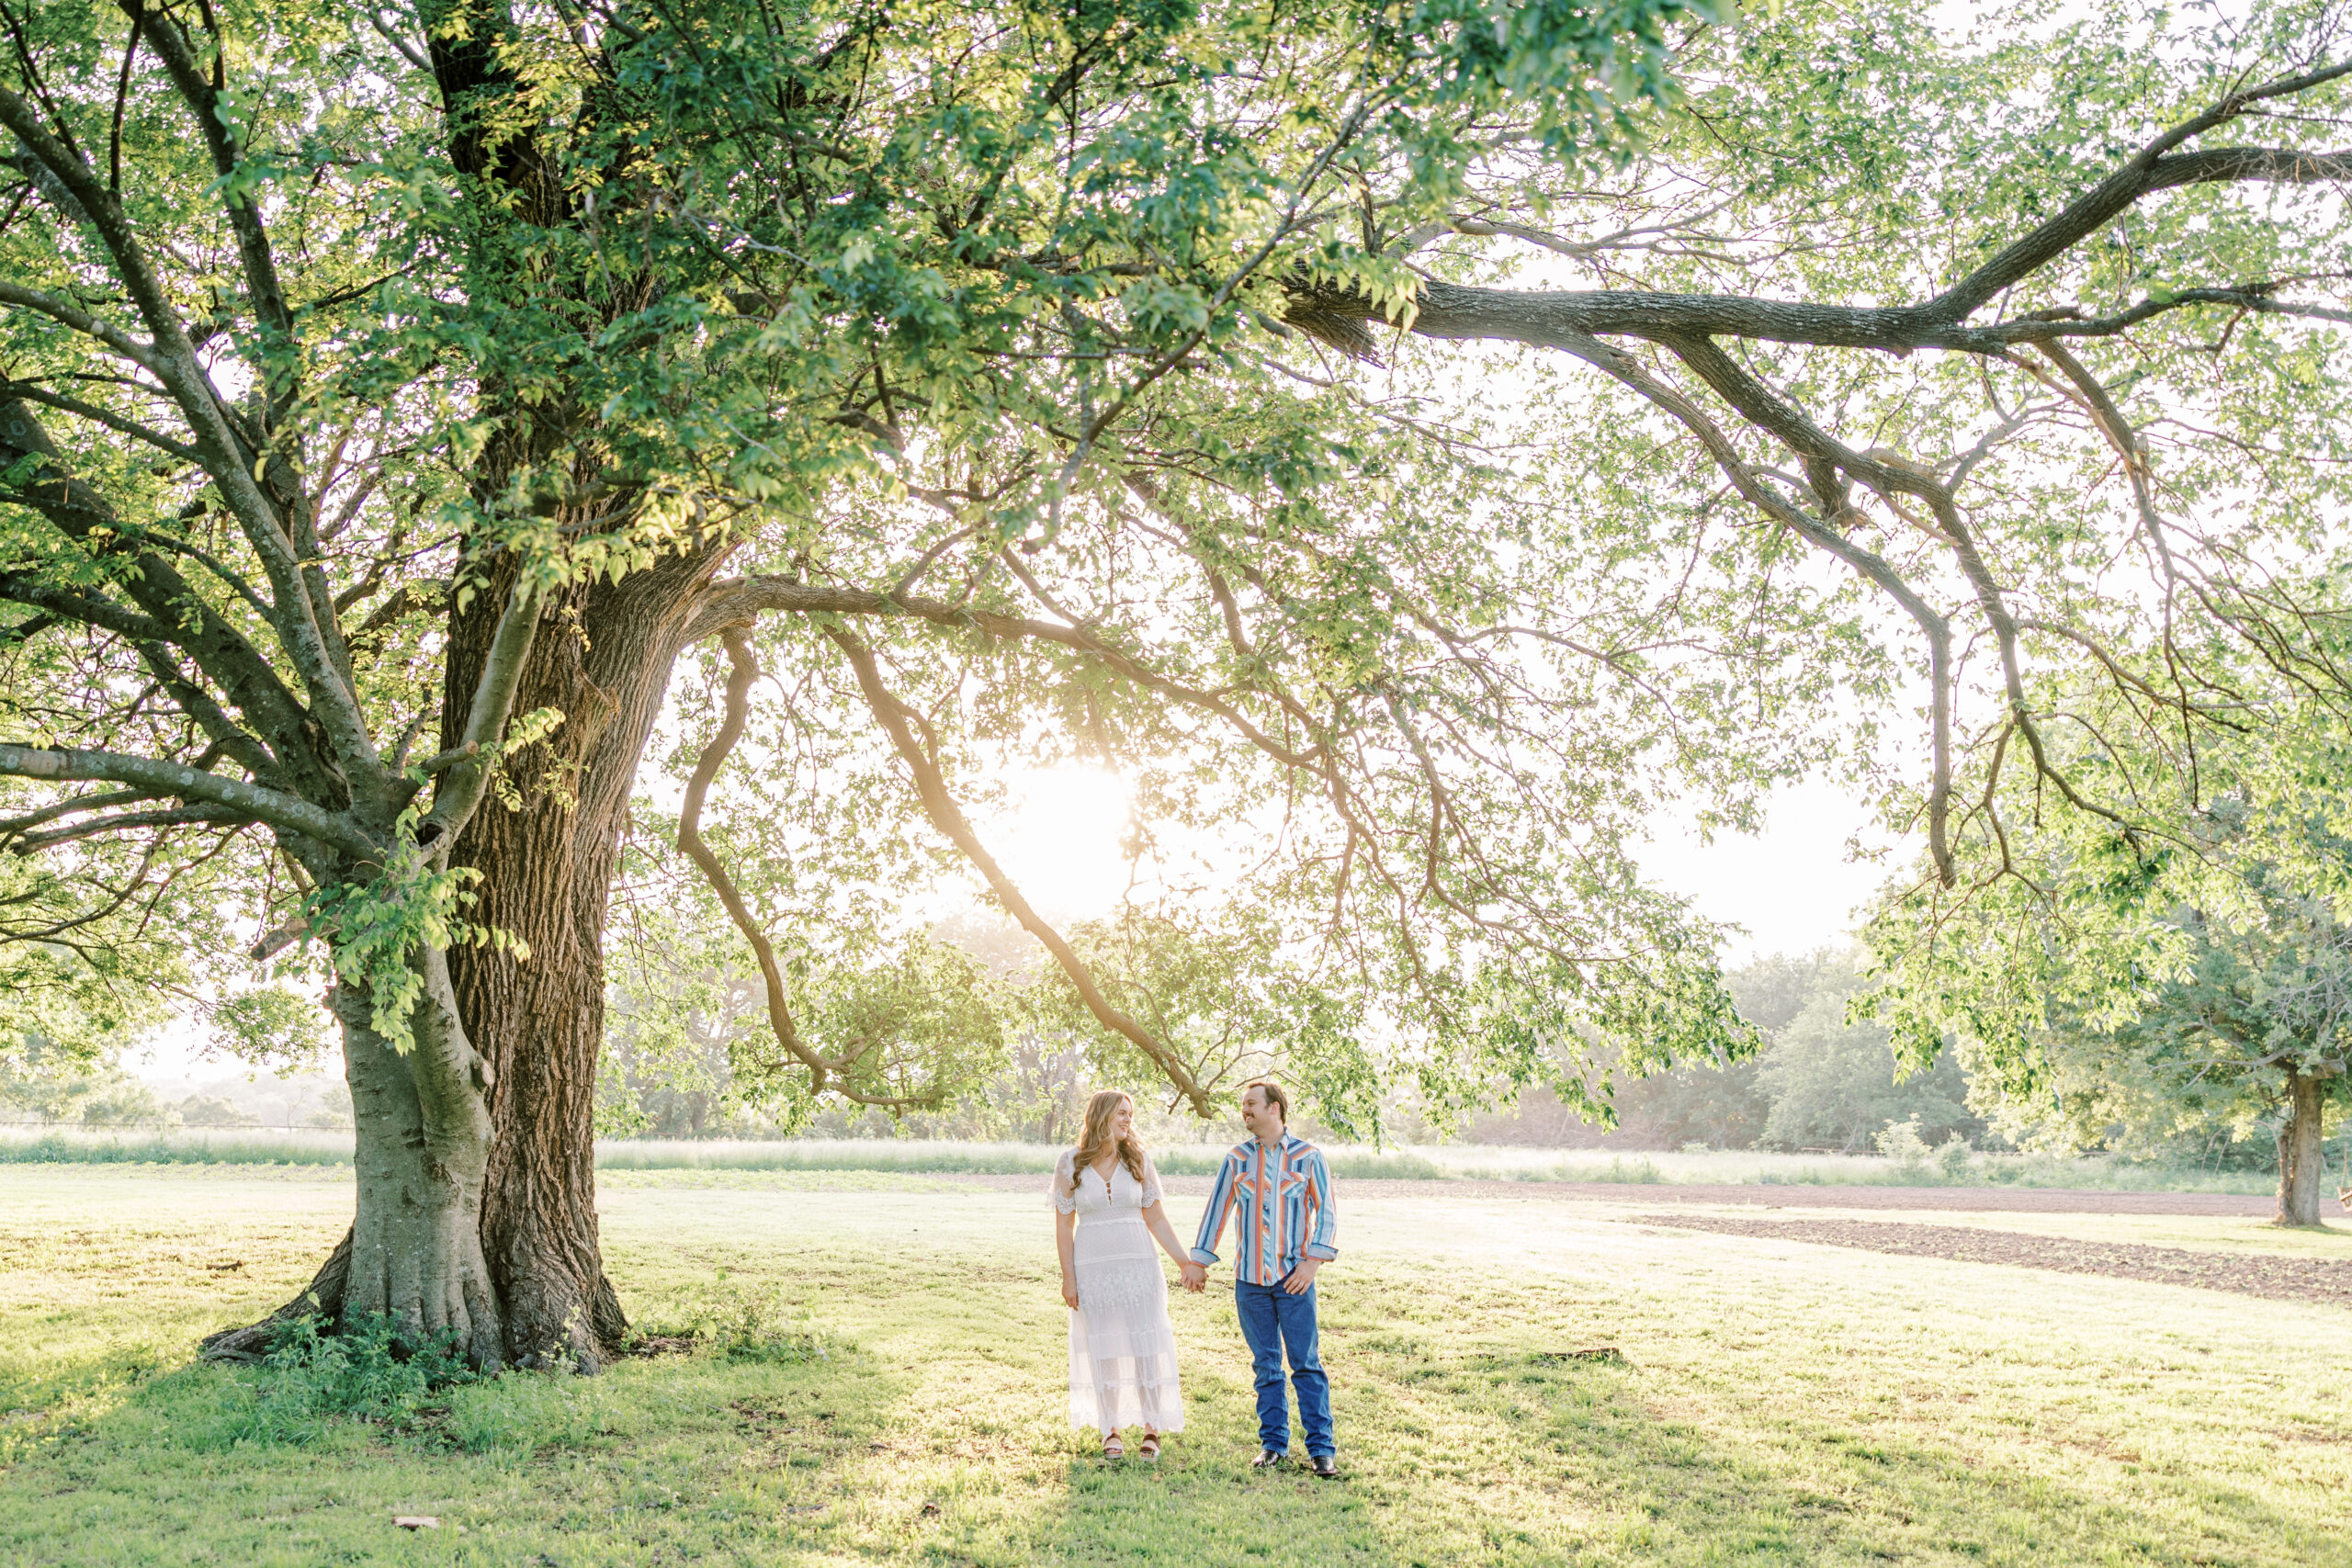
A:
1285, 1226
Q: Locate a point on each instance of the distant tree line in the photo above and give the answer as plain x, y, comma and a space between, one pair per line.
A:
1826, 1083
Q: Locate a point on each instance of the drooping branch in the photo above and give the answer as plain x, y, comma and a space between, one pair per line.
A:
1932, 624
824, 1071
898, 723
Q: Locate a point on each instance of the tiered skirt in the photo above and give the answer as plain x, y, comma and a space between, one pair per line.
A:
1121, 1347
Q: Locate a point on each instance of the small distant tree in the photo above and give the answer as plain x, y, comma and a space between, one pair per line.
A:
2241, 1026
212, 1111
2133, 985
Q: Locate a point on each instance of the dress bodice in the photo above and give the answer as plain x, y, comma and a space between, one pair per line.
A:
1091, 1196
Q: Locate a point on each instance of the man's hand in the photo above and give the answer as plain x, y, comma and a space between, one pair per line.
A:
1195, 1277
1303, 1277
1069, 1292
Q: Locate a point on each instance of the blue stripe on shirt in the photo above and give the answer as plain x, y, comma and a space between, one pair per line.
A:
1286, 1210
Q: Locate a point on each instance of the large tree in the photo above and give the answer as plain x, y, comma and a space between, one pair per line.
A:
1005, 379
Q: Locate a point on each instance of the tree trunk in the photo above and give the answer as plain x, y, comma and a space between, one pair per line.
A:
423, 1145
603, 659
2302, 1166
505, 1234
414, 1252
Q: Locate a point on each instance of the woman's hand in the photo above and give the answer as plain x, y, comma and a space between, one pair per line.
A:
1069, 1292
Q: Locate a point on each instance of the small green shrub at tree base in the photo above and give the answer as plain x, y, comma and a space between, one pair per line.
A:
366, 1372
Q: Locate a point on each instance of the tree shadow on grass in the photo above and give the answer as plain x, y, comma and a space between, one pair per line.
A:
1461, 1451
672, 1458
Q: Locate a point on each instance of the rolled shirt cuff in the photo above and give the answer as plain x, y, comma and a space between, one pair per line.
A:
1320, 1254
1203, 1257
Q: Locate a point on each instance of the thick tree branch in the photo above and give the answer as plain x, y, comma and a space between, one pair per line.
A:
114, 422
176, 611
249, 801
71, 315
124, 823
163, 34
302, 621
1454, 312
461, 788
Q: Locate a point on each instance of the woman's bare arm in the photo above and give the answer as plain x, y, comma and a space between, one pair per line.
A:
1155, 1218
1066, 1243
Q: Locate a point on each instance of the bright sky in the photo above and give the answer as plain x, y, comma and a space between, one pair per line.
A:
1791, 887
1058, 839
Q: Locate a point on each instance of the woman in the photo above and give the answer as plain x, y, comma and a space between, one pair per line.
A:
1107, 1214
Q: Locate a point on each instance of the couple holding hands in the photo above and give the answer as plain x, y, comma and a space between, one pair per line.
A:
1122, 1348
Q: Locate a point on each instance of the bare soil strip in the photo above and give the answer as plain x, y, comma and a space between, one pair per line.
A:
1962, 1200
2246, 1274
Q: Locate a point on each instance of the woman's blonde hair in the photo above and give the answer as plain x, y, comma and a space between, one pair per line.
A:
1096, 1136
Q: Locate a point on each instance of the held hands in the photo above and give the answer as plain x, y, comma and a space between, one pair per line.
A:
1195, 1277
1303, 1277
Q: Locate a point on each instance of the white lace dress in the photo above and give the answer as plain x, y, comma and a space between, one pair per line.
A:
1122, 1348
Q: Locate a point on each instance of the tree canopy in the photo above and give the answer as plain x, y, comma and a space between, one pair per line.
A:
1411, 440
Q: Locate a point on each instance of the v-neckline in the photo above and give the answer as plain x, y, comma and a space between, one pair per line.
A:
1099, 1176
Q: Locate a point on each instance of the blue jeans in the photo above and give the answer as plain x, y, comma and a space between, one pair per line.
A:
1273, 1320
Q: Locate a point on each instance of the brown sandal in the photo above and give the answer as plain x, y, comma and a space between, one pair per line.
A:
1150, 1448
1112, 1448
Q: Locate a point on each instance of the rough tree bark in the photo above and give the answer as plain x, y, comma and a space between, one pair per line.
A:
414, 1251
2301, 1164
605, 660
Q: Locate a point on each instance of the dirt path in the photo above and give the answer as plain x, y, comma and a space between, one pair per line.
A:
2245, 1273
1962, 1200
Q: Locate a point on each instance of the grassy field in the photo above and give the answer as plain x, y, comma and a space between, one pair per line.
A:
1777, 1404
1746, 1167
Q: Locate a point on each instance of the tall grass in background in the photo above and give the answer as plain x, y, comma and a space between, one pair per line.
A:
75, 1145
1453, 1162
933, 1157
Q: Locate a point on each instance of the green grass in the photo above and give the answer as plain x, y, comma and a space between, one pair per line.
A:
1742, 1167
1779, 1404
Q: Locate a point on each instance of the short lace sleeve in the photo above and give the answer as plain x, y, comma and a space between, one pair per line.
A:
1065, 1187
1151, 1194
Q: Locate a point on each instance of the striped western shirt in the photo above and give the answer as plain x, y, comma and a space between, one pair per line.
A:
1283, 1210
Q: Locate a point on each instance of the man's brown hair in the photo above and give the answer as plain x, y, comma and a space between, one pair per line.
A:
1274, 1093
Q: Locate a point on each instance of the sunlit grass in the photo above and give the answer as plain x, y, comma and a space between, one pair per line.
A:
1778, 1402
